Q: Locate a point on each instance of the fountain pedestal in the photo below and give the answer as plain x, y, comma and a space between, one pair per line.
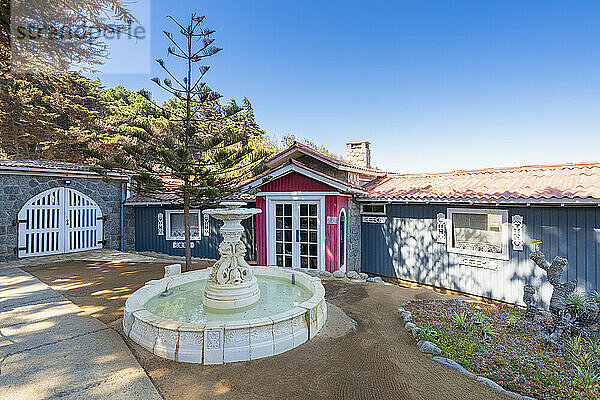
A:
231, 283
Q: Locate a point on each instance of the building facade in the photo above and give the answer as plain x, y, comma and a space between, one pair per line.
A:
468, 231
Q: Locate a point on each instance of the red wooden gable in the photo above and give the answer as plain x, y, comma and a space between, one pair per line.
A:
295, 182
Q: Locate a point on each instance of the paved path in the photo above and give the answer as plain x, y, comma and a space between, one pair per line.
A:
50, 348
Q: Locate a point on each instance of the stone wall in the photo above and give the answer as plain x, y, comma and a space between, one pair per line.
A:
15, 190
354, 239
322, 167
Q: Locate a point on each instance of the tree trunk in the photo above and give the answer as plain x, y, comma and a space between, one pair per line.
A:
186, 223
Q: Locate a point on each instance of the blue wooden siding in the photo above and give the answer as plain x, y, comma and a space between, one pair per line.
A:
405, 247
147, 238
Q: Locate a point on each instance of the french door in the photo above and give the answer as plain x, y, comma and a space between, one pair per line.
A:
296, 234
59, 220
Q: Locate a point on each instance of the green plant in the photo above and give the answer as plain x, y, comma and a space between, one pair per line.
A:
575, 344
488, 331
461, 320
596, 296
576, 301
583, 359
428, 332
512, 320
478, 318
587, 377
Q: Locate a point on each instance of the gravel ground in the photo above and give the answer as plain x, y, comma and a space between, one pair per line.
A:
378, 360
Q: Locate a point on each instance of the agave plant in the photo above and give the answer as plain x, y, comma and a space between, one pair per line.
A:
576, 301
587, 377
575, 344
478, 319
596, 296
461, 320
488, 331
512, 320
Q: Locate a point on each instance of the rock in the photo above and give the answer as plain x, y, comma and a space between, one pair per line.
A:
401, 309
363, 276
409, 325
513, 395
427, 347
353, 275
407, 316
377, 279
490, 383
325, 274
528, 398
453, 365
338, 274
415, 332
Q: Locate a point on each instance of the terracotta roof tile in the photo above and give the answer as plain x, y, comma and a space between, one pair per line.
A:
562, 181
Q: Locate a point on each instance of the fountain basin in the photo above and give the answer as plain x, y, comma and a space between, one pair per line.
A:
216, 340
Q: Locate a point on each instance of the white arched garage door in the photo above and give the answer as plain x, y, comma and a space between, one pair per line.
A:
59, 220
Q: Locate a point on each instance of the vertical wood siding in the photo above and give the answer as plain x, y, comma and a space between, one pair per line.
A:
405, 247
331, 240
261, 232
295, 182
147, 239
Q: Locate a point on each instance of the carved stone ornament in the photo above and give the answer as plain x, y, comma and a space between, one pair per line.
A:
517, 232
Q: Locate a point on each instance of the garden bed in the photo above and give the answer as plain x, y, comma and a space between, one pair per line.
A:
497, 342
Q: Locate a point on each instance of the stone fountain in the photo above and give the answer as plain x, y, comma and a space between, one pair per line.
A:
231, 284
231, 320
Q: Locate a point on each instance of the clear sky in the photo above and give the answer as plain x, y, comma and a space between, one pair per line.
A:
434, 85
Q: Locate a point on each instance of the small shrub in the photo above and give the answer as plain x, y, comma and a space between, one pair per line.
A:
587, 377
576, 301
596, 296
512, 321
461, 320
575, 344
478, 318
487, 331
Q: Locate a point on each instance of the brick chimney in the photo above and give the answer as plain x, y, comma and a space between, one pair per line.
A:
359, 154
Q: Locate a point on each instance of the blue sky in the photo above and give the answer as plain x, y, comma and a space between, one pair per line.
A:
433, 85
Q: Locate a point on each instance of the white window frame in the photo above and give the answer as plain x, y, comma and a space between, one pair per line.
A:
290, 197
168, 225
450, 233
343, 267
362, 210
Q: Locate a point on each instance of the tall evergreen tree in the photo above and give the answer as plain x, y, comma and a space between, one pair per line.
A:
204, 145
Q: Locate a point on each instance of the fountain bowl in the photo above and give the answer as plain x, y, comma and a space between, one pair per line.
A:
226, 341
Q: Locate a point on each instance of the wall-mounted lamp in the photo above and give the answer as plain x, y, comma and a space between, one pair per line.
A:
67, 182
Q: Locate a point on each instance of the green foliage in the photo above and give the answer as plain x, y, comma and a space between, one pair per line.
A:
535, 241
461, 320
576, 301
488, 331
478, 318
587, 377
596, 296
512, 321
575, 344
288, 140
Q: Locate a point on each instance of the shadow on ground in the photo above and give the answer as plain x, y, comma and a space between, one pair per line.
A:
378, 360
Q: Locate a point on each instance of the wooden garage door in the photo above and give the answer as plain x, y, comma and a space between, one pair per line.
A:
59, 220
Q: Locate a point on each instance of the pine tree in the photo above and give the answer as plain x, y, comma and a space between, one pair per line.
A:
206, 146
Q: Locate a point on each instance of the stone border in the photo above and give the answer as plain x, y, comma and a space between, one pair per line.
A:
427, 347
218, 342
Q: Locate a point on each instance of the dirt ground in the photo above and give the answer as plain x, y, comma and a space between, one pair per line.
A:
378, 360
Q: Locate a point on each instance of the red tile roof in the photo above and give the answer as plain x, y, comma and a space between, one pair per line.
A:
562, 181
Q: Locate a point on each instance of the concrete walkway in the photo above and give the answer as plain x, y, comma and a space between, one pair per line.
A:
50, 348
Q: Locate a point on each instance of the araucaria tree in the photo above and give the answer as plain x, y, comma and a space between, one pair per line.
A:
199, 149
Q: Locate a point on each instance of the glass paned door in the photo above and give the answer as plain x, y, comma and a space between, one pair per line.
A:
308, 235
283, 234
296, 234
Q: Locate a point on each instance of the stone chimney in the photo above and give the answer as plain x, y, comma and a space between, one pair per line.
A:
359, 154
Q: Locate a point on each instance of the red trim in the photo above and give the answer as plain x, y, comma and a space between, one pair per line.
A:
261, 232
